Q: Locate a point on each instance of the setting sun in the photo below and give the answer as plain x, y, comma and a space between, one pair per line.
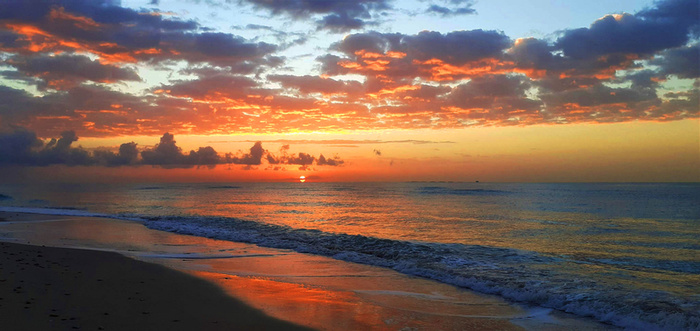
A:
302, 178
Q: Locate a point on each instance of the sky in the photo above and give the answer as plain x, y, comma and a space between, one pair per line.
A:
367, 90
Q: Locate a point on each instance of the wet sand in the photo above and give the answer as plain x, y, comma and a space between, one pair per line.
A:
45, 288
308, 290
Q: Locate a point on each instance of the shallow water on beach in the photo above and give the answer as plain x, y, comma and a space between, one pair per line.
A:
627, 254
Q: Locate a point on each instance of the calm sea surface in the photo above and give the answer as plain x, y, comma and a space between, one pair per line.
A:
627, 254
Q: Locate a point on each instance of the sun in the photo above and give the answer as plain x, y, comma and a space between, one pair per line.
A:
302, 178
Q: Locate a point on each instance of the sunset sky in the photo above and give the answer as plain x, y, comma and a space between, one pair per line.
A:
367, 90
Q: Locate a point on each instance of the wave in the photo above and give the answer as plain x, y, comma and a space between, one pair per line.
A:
223, 187
438, 190
518, 275
294, 211
643, 264
58, 211
146, 188
289, 203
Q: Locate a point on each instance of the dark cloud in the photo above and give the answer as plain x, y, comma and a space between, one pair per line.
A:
227, 46
683, 13
109, 12
334, 162
18, 106
168, 154
11, 40
599, 95
666, 25
572, 73
204, 156
449, 8
127, 155
427, 93
315, 84
643, 79
304, 160
482, 91
253, 157
538, 59
118, 34
372, 41
91, 110
678, 105
330, 64
532, 53
230, 86
257, 154
24, 10
19, 146
683, 62
165, 153
498, 98
336, 15
302, 8
458, 47
340, 23
583, 59
64, 71
392, 63
60, 151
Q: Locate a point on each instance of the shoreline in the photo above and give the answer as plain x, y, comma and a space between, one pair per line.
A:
66, 288
277, 285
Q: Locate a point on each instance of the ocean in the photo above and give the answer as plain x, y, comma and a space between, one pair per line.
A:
624, 254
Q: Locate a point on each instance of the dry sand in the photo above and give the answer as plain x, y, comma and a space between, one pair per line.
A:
70, 289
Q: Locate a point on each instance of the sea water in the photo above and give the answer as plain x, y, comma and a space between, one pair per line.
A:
625, 254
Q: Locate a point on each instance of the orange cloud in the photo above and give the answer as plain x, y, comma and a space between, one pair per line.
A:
58, 15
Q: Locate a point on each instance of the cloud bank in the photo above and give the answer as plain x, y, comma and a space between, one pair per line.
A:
20, 146
83, 65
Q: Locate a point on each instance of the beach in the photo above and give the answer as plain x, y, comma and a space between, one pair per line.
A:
65, 272
45, 288
350, 165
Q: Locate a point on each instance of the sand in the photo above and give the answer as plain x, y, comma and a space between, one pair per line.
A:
45, 288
